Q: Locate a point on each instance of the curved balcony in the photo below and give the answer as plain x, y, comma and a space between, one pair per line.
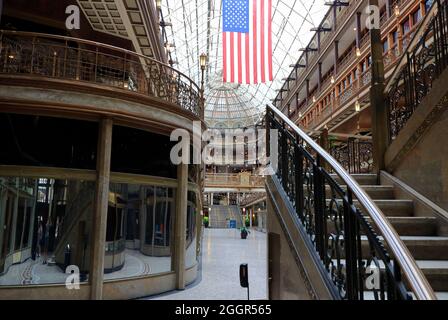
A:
78, 60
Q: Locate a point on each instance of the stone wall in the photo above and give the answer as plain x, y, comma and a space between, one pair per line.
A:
425, 167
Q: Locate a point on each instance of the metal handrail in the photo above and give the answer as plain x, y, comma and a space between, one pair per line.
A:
417, 281
191, 99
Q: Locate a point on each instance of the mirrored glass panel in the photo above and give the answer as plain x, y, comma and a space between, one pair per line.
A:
45, 229
139, 235
192, 221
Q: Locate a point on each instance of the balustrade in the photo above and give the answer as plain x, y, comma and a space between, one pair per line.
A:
51, 56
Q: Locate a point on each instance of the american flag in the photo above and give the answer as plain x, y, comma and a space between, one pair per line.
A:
247, 41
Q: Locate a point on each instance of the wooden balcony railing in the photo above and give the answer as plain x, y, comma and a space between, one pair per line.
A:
51, 56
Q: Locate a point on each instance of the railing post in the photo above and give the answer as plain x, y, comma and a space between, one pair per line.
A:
65, 59
443, 48
350, 248
78, 64
319, 207
284, 159
55, 57
298, 161
268, 136
32, 55
124, 70
96, 64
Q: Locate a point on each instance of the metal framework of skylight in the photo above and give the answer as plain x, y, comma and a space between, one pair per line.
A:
195, 27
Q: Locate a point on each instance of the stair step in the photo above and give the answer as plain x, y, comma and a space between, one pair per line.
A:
421, 247
414, 226
362, 179
375, 192
405, 226
394, 208
436, 272
391, 207
441, 295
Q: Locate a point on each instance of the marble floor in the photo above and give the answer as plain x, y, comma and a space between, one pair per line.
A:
136, 264
222, 253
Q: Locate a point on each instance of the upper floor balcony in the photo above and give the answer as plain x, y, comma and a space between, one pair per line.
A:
72, 61
339, 84
243, 180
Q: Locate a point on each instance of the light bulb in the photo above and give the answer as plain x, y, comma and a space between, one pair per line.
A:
357, 106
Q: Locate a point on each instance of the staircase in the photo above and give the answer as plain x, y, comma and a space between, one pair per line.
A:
420, 234
220, 215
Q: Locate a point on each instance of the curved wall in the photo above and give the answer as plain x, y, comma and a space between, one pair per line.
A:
42, 98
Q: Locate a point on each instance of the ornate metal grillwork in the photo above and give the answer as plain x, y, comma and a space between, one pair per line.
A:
82, 60
354, 155
425, 62
347, 244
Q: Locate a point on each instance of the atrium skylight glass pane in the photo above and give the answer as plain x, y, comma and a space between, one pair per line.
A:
197, 28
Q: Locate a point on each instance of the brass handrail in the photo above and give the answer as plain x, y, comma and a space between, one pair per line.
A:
56, 56
417, 281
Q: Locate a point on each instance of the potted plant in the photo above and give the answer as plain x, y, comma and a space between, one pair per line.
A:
244, 232
206, 221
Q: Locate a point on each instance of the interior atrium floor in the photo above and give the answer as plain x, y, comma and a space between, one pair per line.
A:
222, 252
136, 264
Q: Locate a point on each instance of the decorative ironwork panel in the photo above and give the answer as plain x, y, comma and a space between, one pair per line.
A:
425, 62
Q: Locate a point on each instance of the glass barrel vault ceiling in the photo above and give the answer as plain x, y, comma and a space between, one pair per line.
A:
195, 27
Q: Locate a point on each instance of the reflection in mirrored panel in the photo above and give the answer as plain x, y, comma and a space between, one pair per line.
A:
191, 243
46, 227
139, 235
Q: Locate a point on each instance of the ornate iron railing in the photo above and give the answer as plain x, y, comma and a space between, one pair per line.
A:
425, 59
350, 248
354, 155
24, 53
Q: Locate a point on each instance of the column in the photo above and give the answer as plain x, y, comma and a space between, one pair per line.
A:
180, 225
388, 8
100, 209
251, 212
307, 91
378, 107
319, 76
336, 57
358, 30
335, 24
318, 41
14, 219
306, 58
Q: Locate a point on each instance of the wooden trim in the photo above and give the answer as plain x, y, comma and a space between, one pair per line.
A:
95, 89
47, 172
125, 178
